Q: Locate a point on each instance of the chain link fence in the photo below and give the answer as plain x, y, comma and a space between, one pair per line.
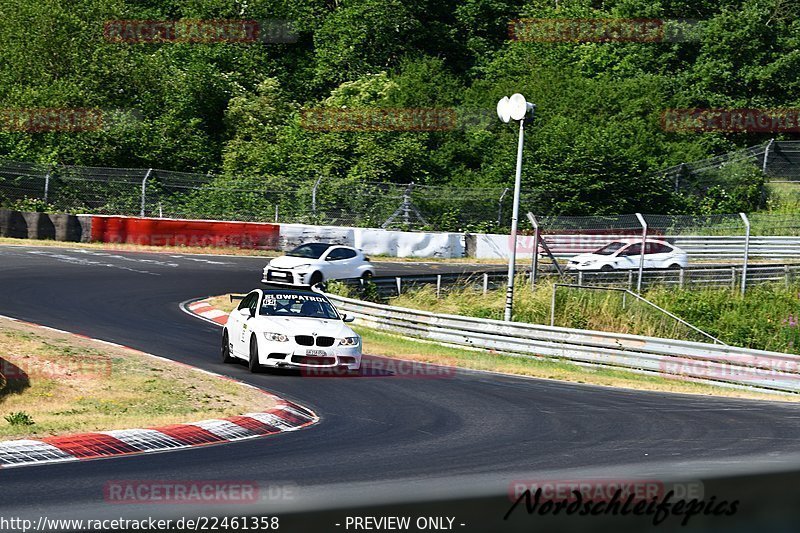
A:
335, 201
778, 160
324, 201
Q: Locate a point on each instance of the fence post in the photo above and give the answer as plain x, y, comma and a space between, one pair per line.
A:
553, 306
500, 206
46, 185
276, 213
630, 280
580, 277
144, 191
485, 283
438, 286
641, 255
766, 156
314, 197
746, 247
398, 282
535, 253
787, 274
681, 277
733, 278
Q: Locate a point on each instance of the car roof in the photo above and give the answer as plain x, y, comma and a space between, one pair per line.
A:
629, 240
328, 244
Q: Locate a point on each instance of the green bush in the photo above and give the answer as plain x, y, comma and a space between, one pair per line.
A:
19, 418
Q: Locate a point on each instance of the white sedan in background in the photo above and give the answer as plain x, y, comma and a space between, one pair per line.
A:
315, 262
625, 254
285, 328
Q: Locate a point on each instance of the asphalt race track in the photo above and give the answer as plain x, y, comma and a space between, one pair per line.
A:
381, 440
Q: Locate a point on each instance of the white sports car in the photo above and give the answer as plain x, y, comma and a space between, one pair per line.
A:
625, 254
290, 329
315, 262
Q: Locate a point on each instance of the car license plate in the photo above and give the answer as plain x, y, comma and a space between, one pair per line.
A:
319, 353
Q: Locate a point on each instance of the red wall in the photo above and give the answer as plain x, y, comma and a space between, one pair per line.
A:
171, 232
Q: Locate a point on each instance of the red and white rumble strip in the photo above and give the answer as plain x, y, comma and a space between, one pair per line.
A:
204, 309
285, 416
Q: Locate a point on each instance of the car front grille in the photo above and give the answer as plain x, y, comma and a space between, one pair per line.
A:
304, 340
325, 341
308, 340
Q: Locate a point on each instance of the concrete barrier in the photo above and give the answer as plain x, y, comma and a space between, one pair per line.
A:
12, 224
67, 227
178, 232
377, 241
39, 225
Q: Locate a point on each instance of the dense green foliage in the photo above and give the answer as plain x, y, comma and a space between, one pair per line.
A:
235, 108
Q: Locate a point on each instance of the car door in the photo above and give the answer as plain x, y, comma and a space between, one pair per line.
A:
656, 255
340, 263
630, 256
237, 323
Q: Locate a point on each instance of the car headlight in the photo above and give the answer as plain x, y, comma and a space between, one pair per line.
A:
277, 337
587, 263
348, 341
298, 267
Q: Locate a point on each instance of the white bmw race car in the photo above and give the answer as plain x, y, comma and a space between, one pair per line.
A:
287, 328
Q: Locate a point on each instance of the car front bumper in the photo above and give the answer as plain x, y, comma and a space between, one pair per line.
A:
292, 355
275, 276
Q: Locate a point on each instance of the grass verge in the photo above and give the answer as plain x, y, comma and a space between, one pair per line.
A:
56, 383
388, 345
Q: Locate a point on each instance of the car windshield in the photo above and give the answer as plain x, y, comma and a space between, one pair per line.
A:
609, 248
309, 251
298, 305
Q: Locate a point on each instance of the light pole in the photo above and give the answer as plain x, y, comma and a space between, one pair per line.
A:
514, 108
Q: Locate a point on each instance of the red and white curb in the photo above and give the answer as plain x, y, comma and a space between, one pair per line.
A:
285, 416
205, 310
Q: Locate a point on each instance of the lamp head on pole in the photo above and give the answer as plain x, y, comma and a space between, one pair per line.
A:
514, 108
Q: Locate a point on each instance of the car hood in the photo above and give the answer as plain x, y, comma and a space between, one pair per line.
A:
305, 326
285, 261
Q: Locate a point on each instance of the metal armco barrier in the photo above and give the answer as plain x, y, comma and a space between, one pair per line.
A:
694, 361
688, 278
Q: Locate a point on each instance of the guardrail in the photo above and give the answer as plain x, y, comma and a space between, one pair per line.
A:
693, 361
689, 278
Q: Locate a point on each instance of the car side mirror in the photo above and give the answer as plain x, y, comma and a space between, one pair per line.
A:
245, 312
346, 318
